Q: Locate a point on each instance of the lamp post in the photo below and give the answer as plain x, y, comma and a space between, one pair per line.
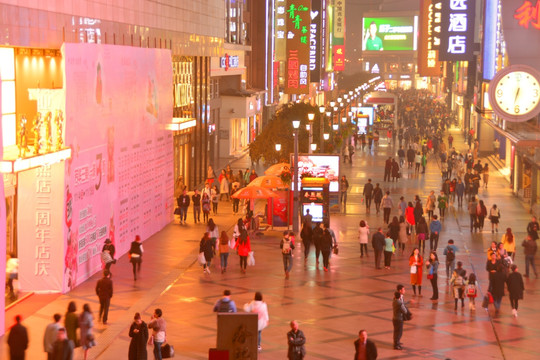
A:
296, 125
311, 117
325, 134
322, 109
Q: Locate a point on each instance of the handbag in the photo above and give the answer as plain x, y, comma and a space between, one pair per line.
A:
177, 211
413, 269
106, 257
232, 242
167, 351
251, 259
201, 259
430, 275
336, 250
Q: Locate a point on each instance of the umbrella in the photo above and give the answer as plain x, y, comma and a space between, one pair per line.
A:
268, 182
253, 192
277, 169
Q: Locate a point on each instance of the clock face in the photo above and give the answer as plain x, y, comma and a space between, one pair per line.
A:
517, 93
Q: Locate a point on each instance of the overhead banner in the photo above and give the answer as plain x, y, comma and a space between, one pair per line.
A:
297, 55
338, 36
315, 41
457, 36
521, 27
428, 57
119, 181
41, 194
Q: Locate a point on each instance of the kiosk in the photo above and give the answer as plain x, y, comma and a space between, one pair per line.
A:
315, 196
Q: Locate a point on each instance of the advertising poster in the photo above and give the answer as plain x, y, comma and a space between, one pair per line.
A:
119, 182
320, 166
389, 33
278, 208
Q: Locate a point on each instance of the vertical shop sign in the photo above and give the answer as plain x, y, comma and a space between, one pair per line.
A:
280, 26
428, 60
297, 61
315, 44
339, 36
435, 24
457, 37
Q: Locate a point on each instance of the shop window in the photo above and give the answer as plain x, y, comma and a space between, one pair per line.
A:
7, 74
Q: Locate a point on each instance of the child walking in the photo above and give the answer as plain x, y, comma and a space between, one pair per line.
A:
472, 291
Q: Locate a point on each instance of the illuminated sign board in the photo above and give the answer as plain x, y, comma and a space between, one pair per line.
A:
435, 25
457, 37
298, 21
315, 44
338, 36
339, 19
389, 33
428, 57
228, 62
339, 57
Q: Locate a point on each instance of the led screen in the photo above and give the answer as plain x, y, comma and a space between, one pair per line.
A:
389, 33
321, 166
315, 210
367, 110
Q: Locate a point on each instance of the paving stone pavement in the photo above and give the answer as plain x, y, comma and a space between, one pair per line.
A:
330, 307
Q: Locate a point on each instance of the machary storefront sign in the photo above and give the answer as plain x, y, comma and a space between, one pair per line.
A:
521, 28
435, 24
297, 54
457, 37
428, 60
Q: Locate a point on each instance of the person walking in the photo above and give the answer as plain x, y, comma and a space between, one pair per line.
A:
485, 174
135, 256
107, 254
432, 265
50, 336
287, 246
296, 341
213, 231
494, 216
243, 247
377, 197
12, 271
378, 242
317, 241
508, 240
224, 250
104, 291
343, 188
307, 238
450, 252
368, 194
409, 214
442, 204
207, 246
530, 249
533, 227
472, 213
215, 201
17, 340
472, 291
393, 230
205, 206
196, 199
364, 347
326, 248
387, 204
404, 234
416, 263
86, 329
460, 191
387, 169
224, 187
62, 346
138, 332
399, 314
422, 234
71, 323
363, 237
388, 251
457, 282
498, 280
183, 204
430, 204
225, 304
158, 325
481, 213
435, 228
516, 288
259, 307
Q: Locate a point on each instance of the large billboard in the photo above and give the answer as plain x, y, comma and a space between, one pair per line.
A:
396, 33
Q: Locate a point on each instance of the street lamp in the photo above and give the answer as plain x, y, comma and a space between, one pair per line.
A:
313, 147
344, 119
278, 147
296, 125
326, 136
335, 127
322, 109
311, 117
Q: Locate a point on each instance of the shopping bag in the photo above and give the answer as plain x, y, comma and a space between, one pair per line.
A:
251, 259
232, 242
167, 351
201, 258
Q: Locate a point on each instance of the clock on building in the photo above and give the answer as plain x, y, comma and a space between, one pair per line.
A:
514, 93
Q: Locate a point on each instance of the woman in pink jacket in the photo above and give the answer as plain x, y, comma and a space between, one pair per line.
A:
243, 247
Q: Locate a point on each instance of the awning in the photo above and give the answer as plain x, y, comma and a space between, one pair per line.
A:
521, 134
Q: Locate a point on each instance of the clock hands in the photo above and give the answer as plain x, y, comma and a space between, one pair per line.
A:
517, 95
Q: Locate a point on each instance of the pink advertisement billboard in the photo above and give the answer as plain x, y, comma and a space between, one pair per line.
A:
119, 181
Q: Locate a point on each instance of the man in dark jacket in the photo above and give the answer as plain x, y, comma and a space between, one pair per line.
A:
400, 312
63, 347
514, 281
183, 204
530, 249
365, 348
368, 194
377, 241
104, 290
17, 340
387, 169
296, 340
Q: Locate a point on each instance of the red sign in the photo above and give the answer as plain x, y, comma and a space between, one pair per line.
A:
339, 57
527, 14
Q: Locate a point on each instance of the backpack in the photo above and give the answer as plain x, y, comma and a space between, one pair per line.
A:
450, 254
458, 281
224, 307
286, 246
471, 290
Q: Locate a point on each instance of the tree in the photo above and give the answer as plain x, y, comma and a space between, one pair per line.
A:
279, 130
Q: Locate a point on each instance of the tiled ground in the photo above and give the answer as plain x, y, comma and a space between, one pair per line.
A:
331, 307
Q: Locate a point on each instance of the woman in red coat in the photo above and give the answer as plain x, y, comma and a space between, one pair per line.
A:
415, 263
409, 214
244, 247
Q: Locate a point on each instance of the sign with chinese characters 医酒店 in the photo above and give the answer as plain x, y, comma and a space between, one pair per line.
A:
521, 28
457, 35
298, 21
428, 57
338, 39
